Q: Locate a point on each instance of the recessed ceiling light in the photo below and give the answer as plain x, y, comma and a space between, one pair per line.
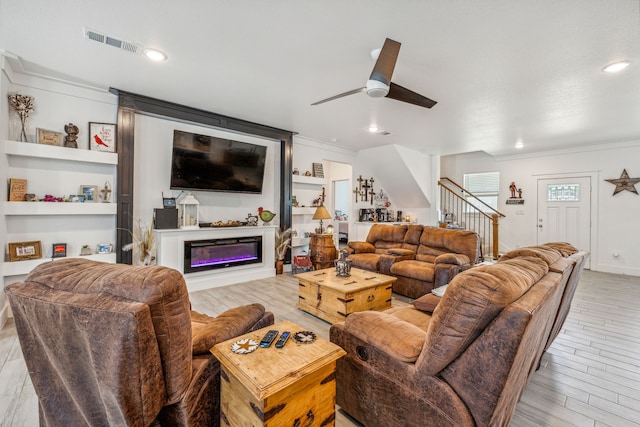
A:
373, 129
616, 66
155, 55
519, 144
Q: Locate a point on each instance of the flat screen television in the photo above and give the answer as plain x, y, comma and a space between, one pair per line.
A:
209, 163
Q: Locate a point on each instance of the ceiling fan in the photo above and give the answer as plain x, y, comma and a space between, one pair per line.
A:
380, 85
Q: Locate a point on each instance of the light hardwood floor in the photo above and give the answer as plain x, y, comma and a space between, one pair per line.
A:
589, 377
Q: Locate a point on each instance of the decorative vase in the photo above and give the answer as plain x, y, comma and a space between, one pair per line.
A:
279, 266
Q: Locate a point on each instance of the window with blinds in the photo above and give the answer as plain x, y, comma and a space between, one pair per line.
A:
485, 186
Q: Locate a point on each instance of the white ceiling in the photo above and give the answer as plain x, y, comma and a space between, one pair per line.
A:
501, 70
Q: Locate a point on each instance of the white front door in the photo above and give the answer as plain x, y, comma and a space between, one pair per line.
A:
564, 211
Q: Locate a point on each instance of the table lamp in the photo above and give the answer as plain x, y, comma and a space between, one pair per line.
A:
321, 213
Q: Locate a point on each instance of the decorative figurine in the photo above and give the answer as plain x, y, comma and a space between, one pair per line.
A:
71, 140
513, 188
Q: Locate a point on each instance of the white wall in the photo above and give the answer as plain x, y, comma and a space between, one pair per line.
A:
152, 163
615, 225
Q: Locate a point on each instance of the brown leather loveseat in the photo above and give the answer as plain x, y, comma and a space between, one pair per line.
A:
467, 362
420, 257
111, 344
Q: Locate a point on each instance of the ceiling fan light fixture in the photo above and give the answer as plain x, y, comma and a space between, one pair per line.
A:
373, 128
377, 89
519, 144
616, 66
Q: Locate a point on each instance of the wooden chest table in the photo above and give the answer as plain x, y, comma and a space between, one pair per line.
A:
333, 298
293, 385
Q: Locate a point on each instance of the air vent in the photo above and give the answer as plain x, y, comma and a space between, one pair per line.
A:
112, 41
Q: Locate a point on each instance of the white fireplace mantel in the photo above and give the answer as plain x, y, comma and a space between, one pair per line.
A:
170, 253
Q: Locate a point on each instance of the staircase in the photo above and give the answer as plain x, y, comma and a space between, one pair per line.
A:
463, 210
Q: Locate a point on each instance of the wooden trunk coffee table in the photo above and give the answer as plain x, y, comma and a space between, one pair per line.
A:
333, 298
293, 385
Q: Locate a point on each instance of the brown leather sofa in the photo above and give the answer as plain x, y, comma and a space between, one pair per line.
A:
420, 257
467, 362
112, 344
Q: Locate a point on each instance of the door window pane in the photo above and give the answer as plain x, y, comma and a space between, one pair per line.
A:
563, 193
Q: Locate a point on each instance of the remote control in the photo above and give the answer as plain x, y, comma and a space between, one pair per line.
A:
283, 339
268, 338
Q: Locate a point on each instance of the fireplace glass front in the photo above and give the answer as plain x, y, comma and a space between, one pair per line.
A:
201, 255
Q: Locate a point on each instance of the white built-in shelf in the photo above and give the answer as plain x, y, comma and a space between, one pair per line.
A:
18, 268
59, 208
43, 151
301, 179
300, 241
304, 211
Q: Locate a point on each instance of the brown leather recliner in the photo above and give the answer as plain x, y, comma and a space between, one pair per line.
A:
113, 344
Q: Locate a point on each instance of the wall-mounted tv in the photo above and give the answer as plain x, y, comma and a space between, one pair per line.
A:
209, 163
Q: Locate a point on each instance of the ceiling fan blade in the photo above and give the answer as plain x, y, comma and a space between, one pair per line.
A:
400, 93
342, 95
383, 70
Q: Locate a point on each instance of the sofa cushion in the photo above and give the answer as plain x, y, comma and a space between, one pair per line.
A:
427, 302
400, 252
566, 249
362, 247
410, 314
208, 331
414, 269
456, 259
473, 299
545, 253
435, 241
365, 261
386, 233
412, 237
399, 339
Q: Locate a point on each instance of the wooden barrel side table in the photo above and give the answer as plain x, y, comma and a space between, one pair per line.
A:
322, 251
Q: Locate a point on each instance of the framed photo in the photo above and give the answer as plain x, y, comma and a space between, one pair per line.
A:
89, 192
49, 137
59, 250
20, 251
102, 137
104, 248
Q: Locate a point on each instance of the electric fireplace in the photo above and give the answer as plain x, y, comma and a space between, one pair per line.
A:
201, 255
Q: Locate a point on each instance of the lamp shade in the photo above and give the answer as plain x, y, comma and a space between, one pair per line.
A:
321, 213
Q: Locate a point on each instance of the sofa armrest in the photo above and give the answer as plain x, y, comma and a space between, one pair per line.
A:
401, 252
451, 258
361, 247
385, 261
209, 331
389, 334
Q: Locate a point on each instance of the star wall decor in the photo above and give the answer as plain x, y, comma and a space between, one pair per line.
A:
624, 183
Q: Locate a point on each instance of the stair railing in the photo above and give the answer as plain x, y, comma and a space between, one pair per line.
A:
464, 210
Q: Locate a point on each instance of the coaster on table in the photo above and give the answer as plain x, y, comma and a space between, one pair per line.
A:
244, 346
304, 337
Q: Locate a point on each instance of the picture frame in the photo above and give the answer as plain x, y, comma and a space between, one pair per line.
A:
90, 193
318, 170
17, 189
104, 248
58, 250
49, 137
102, 137
20, 251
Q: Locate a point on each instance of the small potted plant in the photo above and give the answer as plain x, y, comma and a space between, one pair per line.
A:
283, 242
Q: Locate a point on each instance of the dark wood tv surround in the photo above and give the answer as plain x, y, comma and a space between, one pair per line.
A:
130, 104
